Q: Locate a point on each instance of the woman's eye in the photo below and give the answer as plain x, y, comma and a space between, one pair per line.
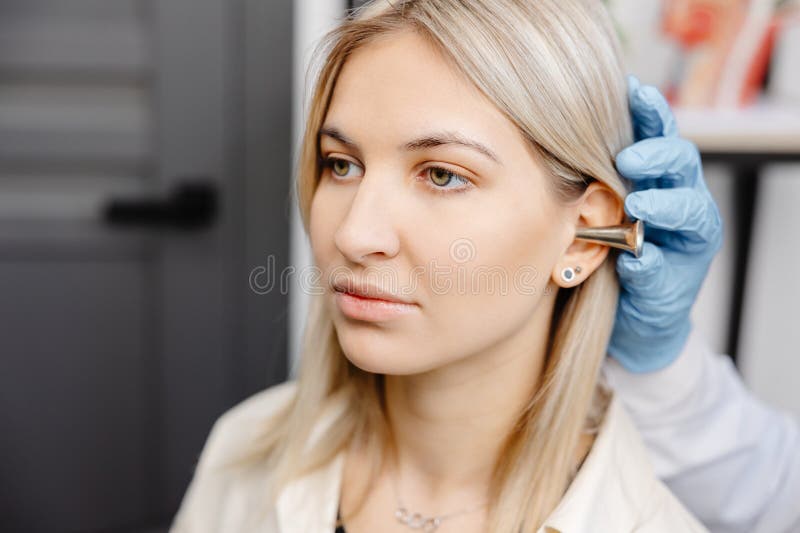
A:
339, 167
441, 177
437, 179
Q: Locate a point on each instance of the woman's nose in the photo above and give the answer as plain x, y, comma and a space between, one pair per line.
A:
367, 227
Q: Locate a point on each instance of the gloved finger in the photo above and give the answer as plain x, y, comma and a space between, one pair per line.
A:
690, 212
671, 159
650, 112
643, 271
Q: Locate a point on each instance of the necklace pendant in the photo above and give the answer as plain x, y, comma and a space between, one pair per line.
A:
417, 521
402, 515
431, 524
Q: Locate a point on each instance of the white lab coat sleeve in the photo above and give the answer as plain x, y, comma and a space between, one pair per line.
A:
731, 459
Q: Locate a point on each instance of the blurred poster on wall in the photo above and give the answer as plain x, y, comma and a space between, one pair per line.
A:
710, 53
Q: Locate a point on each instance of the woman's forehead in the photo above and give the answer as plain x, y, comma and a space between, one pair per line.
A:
401, 89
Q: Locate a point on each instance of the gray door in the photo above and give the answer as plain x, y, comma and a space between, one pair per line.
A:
125, 332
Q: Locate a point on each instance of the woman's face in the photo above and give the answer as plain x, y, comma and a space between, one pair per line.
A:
432, 194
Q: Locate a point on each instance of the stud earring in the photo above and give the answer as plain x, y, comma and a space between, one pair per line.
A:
568, 274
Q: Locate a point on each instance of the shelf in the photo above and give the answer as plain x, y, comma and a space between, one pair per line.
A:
761, 128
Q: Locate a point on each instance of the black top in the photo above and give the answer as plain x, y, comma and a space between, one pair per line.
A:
339, 529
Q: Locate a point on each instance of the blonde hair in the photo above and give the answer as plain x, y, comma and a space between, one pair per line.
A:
553, 67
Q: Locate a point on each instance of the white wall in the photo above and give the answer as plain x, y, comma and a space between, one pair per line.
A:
770, 360
312, 18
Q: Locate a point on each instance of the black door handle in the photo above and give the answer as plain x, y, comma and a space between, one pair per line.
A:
190, 204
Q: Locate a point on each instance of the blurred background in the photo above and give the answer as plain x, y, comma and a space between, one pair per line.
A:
146, 155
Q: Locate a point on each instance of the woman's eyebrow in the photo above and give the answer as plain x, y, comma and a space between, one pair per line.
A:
451, 137
426, 141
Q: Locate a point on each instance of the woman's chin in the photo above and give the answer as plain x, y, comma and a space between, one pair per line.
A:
384, 351
375, 363
390, 361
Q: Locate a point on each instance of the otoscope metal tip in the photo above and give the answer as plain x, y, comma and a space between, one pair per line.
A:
628, 236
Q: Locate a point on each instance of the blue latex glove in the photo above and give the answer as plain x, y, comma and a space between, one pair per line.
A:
683, 232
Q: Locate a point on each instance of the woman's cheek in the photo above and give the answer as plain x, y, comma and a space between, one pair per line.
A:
322, 227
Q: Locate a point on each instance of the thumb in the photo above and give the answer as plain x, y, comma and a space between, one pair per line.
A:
638, 274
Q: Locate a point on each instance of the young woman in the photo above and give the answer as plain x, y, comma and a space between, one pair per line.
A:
450, 372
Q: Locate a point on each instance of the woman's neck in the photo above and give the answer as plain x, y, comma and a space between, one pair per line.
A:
450, 423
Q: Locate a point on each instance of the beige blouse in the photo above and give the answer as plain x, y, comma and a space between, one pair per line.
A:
614, 491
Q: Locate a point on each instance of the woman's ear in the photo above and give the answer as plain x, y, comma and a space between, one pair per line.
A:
598, 206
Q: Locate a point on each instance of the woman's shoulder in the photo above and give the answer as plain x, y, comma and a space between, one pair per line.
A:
240, 425
214, 499
655, 508
616, 488
260, 405
667, 514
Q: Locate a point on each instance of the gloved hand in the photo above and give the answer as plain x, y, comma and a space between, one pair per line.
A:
683, 232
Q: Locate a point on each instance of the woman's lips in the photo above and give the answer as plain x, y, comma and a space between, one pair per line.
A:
371, 309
